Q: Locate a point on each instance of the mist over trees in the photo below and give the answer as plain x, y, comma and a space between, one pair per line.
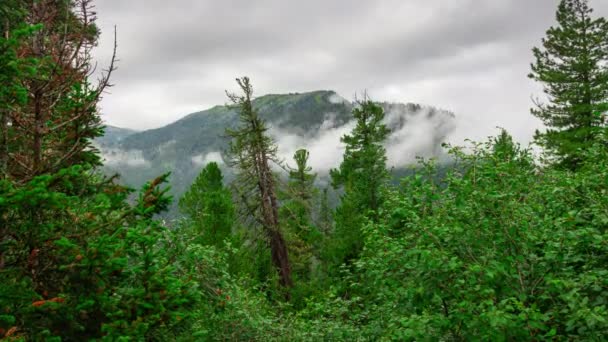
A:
495, 245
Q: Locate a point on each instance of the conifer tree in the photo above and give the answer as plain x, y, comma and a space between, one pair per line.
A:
325, 217
252, 151
77, 261
572, 65
208, 204
53, 127
301, 192
362, 174
296, 212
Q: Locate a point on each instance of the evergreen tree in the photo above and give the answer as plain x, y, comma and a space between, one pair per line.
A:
54, 126
208, 205
301, 193
572, 65
252, 151
362, 174
77, 262
296, 212
504, 147
325, 218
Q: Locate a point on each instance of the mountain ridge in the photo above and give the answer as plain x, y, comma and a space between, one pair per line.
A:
315, 120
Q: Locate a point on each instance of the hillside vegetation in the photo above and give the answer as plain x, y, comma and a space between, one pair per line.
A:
497, 245
185, 146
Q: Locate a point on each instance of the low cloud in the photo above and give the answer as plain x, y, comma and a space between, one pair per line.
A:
117, 157
204, 159
415, 131
337, 99
324, 145
419, 133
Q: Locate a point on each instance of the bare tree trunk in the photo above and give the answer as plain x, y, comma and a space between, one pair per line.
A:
3, 143
37, 143
4, 130
278, 246
258, 153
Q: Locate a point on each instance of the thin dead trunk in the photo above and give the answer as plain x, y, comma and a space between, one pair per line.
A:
38, 124
254, 155
3, 143
4, 132
278, 246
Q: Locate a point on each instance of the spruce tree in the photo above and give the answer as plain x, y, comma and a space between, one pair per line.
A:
208, 205
301, 190
296, 213
252, 151
572, 65
362, 174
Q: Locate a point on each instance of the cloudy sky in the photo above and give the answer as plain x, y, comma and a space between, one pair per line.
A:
467, 56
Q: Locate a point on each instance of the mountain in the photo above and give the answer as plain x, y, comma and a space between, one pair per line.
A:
314, 120
113, 135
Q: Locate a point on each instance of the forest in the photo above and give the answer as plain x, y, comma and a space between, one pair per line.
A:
506, 243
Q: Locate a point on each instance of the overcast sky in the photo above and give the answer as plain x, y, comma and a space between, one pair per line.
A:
467, 56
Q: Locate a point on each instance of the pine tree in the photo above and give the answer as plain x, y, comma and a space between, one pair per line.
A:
252, 151
572, 65
362, 174
208, 205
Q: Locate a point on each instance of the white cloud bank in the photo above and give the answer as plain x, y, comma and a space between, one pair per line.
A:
117, 157
413, 133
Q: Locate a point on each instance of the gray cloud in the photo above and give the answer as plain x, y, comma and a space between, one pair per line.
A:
467, 56
414, 132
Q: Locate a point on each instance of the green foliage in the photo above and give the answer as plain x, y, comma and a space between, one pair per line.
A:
299, 200
493, 247
78, 262
303, 237
208, 206
573, 68
325, 216
500, 251
363, 175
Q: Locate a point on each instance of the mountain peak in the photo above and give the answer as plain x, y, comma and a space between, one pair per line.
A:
314, 120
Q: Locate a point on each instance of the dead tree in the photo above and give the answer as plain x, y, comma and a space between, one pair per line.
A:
252, 152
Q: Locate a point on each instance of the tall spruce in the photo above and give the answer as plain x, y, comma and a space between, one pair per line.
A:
362, 174
572, 65
301, 188
297, 212
208, 205
252, 151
